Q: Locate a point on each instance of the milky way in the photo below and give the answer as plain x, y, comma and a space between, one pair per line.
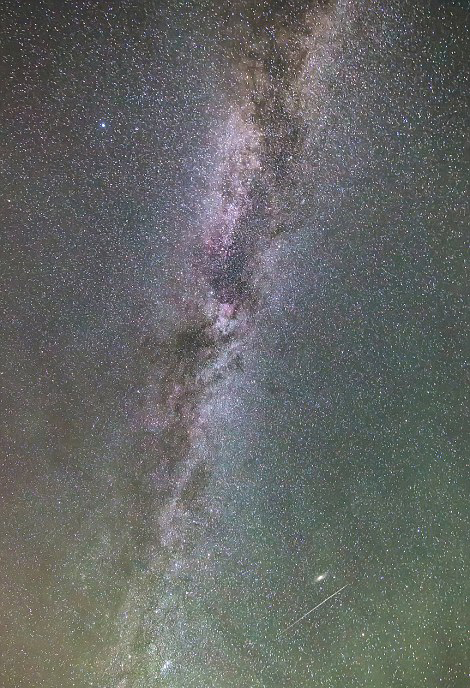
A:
259, 140
233, 447
242, 214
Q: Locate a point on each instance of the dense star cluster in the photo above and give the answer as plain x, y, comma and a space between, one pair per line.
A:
233, 447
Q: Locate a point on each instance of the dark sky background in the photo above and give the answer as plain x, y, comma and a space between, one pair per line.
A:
321, 439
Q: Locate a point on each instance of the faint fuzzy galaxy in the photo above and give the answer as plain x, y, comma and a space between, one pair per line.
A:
234, 371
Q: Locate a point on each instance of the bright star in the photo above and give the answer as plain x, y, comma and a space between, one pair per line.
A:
166, 666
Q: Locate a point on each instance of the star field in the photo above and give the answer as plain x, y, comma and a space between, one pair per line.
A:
234, 446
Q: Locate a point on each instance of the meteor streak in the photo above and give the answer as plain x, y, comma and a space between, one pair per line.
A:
294, 623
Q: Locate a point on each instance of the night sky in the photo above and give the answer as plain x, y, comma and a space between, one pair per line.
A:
234, 382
